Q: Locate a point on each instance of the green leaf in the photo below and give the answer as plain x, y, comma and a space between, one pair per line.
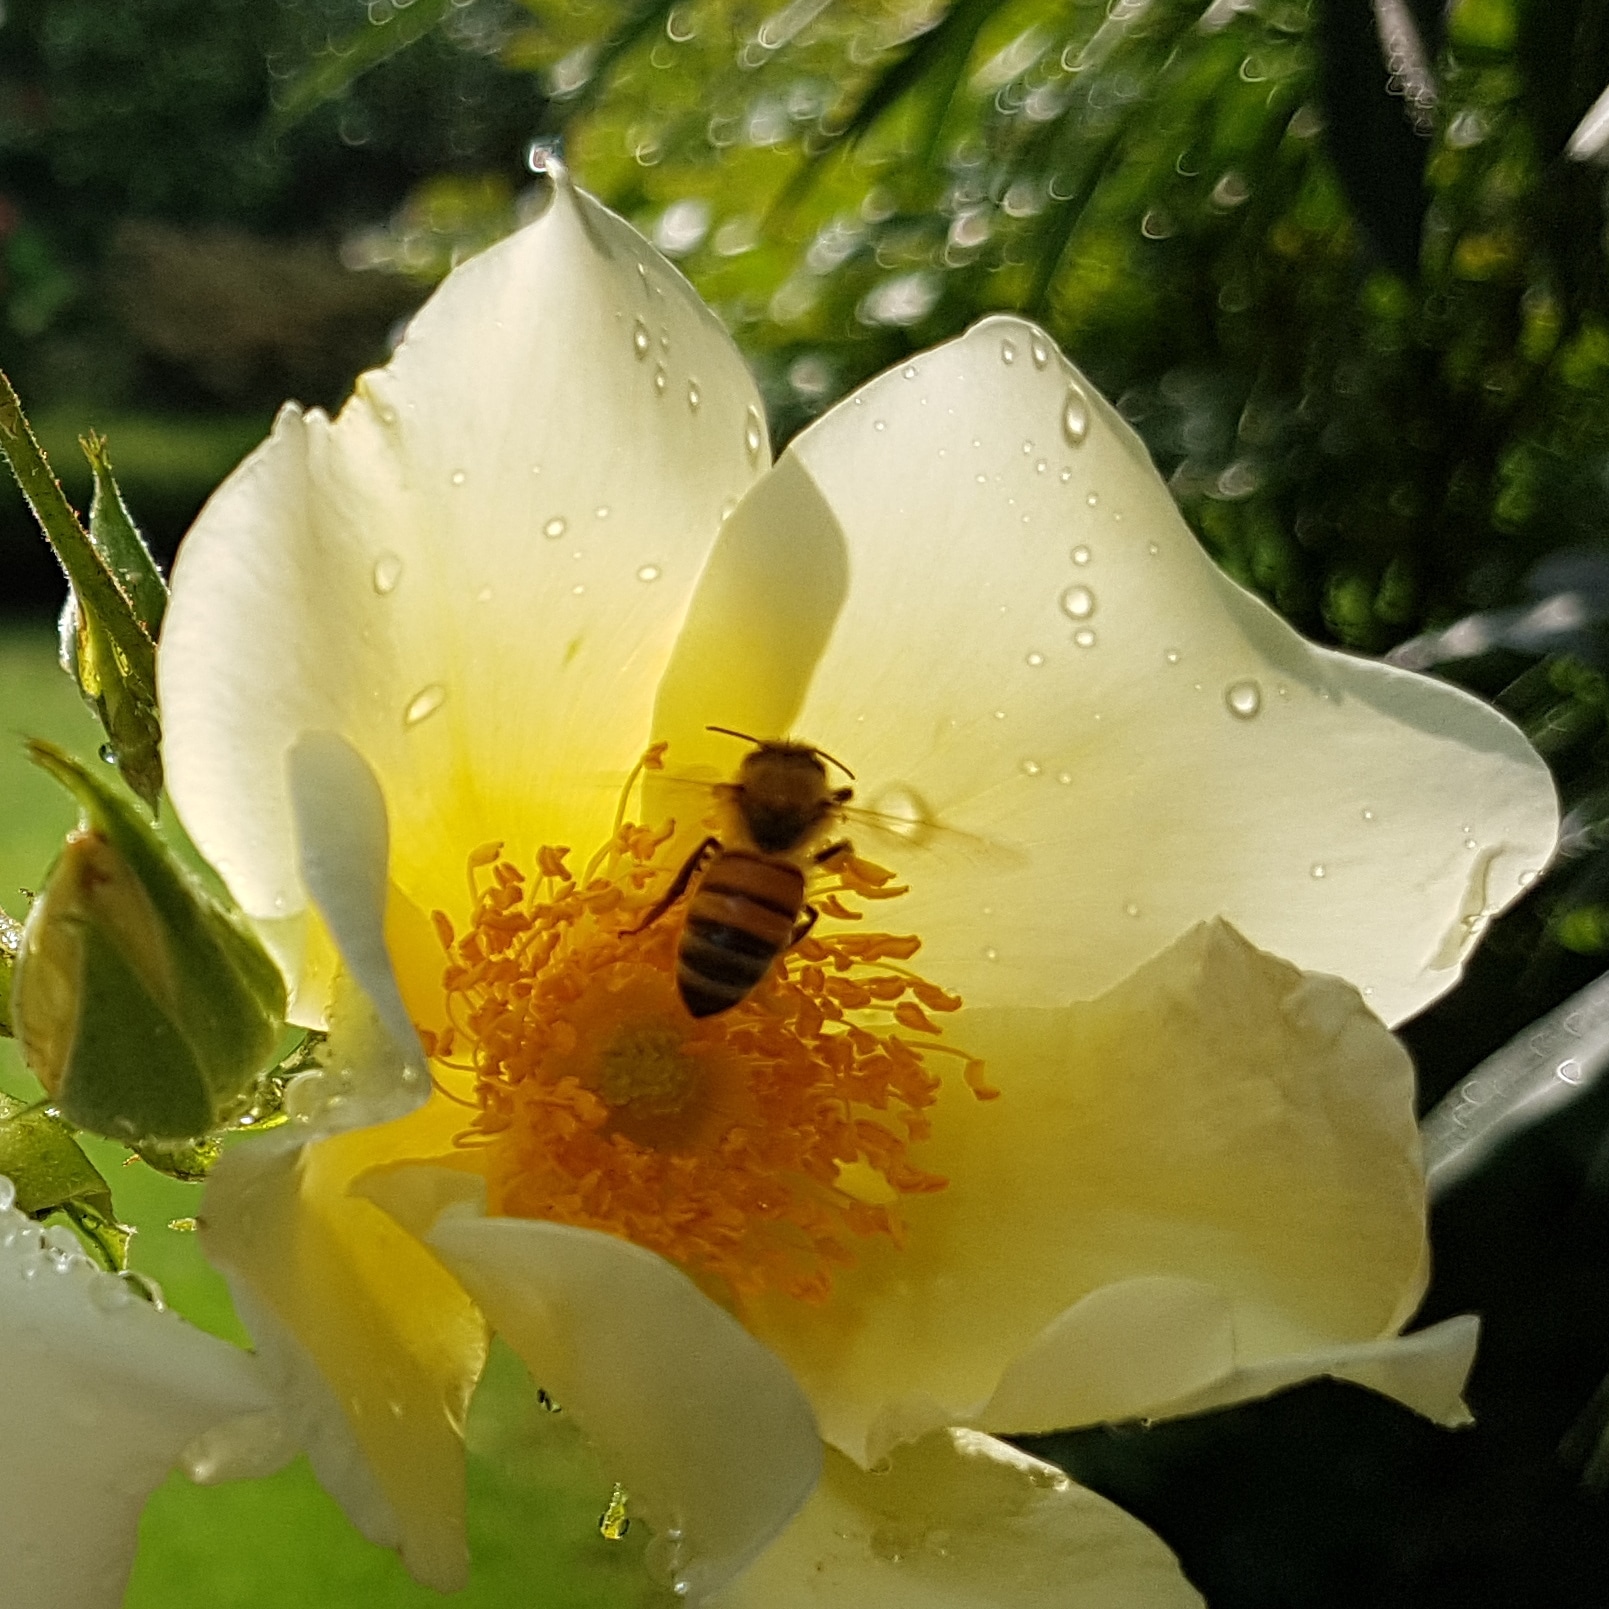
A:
366, 47
106, 645
51, 1173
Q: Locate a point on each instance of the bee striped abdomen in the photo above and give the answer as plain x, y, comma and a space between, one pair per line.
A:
739, 920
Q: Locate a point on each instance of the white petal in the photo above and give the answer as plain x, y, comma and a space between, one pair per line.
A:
103, 1393
1010, 631
703, 1426
1205, 1184
960, 1521
394, 576
372, 1349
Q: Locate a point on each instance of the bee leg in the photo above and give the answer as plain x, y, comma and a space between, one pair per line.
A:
690, 869
833, 851
806, 922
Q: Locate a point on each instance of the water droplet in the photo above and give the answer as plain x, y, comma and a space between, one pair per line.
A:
649, 572
8, 1194
555, 527
459, 476
660, 379
1317, 869
1064, 777
107, 753
1000, 715
424, 704
1470, 843
484, 595
1171, 655
1035, 659
1075, 417
1041, 467
1093, 500
387, 573
1031, 768
1131, 909
753, 434
601, 512
990, 953
641, 341
1085, 638
1244, 700
578, 591
1008, 352
1080, 555
879, 424
1152, 549
1041, 352
1078, 603
1065, 476
909, 371
1526, 878
1368, 815
904, 812
1569, 1071
694, 395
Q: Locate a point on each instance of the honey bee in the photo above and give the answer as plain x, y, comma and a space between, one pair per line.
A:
748, 903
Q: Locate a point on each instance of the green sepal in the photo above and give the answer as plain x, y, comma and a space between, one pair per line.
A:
50, 1173
145, 1008
109, 626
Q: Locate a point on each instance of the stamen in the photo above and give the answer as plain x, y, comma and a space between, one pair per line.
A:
754, 1146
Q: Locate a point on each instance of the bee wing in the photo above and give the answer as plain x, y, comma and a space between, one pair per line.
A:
887, 837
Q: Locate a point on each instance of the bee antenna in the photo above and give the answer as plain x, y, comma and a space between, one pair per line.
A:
730, 731
831, 761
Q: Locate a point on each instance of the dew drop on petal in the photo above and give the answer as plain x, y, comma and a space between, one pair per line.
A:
424, 704
1041, 352
909, 371
641, 342
1008, 352
648, 572
1080, 555
1131, 909
1030, 768
990, 953
1035, 659
484, 595
8, 1194
1569, 1071
601, 511
1078, 603
459, 476
879, 424
1065, 476
387, 573
1526, 878
1317, 869
1064, 777
1171, 655
1244, 700
1152, 549
1368, 815
555, 527
694, 395
660, 379
753, 434
1093, 500
1075, 417
1085, 638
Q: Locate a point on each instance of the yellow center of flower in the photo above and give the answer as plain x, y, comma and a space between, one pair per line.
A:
753, 1146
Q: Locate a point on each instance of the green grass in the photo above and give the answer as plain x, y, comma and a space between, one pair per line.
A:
536, 1489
